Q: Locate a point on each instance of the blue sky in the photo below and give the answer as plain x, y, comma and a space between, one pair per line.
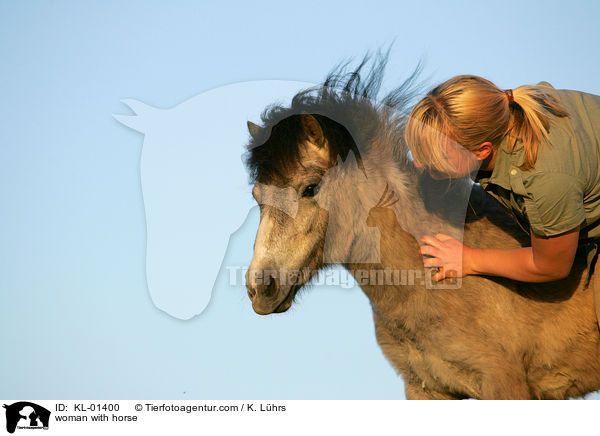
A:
74, 303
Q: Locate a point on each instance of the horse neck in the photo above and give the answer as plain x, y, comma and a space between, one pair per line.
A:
397, 285
397, 282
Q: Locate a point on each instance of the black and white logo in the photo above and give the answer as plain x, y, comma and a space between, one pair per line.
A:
26, 415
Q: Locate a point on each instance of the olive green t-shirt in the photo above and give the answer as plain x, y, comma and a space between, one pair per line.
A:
562, 191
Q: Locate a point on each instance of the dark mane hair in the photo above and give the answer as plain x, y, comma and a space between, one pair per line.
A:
346, 107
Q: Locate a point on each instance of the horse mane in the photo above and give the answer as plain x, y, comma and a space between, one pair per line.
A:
347, 109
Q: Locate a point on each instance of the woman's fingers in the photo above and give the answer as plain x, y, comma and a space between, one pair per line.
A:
432, 261
443, 274
431, 240
429, 250
441, 237
446, 253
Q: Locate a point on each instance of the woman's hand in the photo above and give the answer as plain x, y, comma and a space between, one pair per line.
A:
548, 258
450, 255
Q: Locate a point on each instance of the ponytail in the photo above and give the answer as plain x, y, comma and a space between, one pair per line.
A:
530, 116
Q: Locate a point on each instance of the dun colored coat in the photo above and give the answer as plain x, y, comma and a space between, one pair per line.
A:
331, 168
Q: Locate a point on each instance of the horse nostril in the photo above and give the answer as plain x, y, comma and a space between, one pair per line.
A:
266, 286
270, 286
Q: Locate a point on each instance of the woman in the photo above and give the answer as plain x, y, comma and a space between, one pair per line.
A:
534, 149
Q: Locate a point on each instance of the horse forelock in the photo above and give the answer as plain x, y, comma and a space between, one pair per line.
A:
346, 106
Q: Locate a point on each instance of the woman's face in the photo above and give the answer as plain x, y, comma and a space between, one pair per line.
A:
462, 162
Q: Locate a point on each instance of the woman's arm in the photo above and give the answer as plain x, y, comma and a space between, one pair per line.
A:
546, 260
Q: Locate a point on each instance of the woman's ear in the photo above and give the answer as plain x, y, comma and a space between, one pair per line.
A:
484, 151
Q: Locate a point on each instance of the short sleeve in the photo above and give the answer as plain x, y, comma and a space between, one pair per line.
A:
554, 202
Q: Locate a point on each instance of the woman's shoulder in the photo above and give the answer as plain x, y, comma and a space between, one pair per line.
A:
573, 92
572, 143
544, 83
580, 104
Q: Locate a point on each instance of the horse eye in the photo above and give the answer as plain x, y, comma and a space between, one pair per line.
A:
311, 190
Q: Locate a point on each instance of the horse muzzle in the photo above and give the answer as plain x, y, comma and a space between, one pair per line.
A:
268, 295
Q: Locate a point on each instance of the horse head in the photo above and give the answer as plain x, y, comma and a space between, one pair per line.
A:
289, 244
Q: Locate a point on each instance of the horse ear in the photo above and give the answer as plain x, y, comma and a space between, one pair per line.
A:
313, 130
253, 129
144, 114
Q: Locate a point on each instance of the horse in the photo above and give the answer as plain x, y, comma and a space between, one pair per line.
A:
336, 161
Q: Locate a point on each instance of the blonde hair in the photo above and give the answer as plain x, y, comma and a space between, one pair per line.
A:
470, 110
